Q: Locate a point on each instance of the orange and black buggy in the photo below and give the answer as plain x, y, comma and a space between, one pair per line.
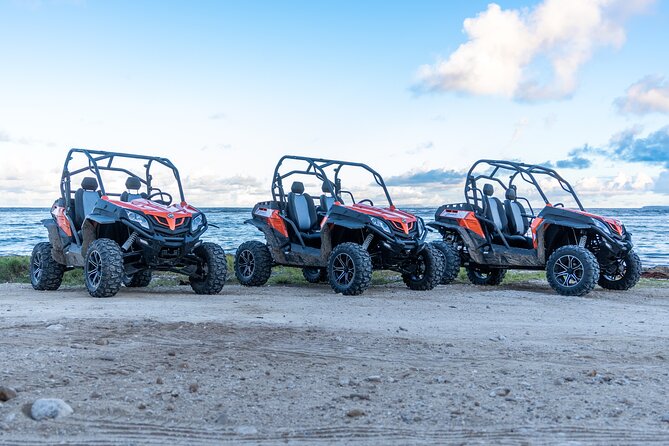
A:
121, 229
335, 239
577, 249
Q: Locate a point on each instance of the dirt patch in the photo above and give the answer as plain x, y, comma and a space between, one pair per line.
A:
302, 365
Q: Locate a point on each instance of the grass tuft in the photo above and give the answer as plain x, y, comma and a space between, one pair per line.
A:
15, 269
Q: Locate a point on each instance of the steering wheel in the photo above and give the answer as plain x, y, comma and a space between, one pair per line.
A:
161, 194
367, 200
558, 205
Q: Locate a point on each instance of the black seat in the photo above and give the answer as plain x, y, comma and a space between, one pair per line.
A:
132, 184
85, 199
496, 213
302, 212
518, 222
515, 213
494, 210
326, 200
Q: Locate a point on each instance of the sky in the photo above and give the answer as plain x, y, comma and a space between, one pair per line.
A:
418, 90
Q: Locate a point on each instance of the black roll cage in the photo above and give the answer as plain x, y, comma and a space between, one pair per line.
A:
527, 172
95, 165
315, 167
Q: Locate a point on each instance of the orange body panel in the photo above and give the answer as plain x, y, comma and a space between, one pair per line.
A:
61, 220
170, 216
399, 219
276, 222
534, 226
465, 219
616, 225
472, 223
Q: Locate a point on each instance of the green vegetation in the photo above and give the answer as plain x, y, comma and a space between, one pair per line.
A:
14, 269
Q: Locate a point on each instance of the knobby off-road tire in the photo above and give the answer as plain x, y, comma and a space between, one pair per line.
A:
314, 274
253, 263
140, 279
430, 270
485, 276
572, 271
214, 267
103, 268
451, 261
625, 277
349, 269
45, 273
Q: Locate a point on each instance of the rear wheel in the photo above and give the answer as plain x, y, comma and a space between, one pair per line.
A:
140, 279
214, 270
253, 263
451, 261
572, 271
485, 276
623, 274
315, 275
45, 273
349, 269
429, 270
103, 268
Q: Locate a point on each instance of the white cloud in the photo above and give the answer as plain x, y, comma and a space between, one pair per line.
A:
505, 48
650, 94
661, 185
519, 128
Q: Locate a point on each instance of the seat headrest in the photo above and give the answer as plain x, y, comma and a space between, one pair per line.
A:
133, 183
510, 194
488, 190
297, 187
326, 186
89, 183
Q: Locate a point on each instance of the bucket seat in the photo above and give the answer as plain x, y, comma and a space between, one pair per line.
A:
85, 199
132, 184
302, 212
495, 212
326, 200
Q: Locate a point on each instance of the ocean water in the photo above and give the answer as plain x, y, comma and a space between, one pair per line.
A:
21, 229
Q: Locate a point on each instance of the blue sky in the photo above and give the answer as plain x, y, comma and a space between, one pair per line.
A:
419, 90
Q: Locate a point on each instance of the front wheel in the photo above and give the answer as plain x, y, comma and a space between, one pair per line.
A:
428, 270
451, 261
253, 263
103, 268
349, 269
622, 274
140, 279
213, 271
485, 276
572, 271
314, 274
45, 273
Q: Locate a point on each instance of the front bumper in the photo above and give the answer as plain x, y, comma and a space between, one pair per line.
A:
164, 249
618, 245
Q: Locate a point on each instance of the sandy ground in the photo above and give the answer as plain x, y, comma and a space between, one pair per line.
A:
301, 365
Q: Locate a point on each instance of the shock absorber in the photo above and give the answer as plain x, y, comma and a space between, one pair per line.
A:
128, 243
367, 241
583, 241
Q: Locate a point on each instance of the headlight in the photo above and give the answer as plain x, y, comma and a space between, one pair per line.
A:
380, 224
196, 222
139, 220
601, 225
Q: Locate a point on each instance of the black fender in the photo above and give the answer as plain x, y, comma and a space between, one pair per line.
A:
101, 219
345, 221
443, 224
58, 240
